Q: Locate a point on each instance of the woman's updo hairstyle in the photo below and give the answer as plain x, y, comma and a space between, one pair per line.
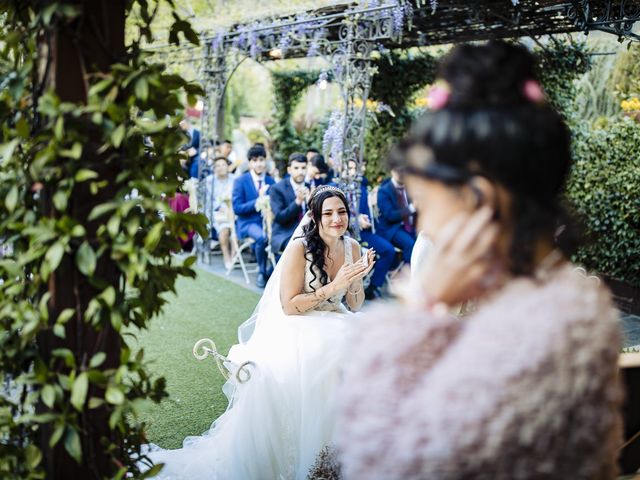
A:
490, 124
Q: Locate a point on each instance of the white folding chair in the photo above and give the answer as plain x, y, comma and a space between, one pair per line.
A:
237, 259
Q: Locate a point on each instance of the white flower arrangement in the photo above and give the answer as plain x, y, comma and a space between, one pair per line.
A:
263, 204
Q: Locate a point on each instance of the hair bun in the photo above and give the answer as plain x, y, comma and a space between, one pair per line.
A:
489, 74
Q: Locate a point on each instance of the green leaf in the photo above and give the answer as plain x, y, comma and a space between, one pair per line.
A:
74, 152
59, 331
100, 86
72, 444
79, 391
11, 200
114, 396
22, 127
58, 129
54, 255
7, 149
65, 315
66, 355
33, 456
97, 359
153, 237
56, 435
86, 259
60, 200
95, 402
48, 395
153, 471
142, 89
189, 261
85, 174
117, 136
101, 209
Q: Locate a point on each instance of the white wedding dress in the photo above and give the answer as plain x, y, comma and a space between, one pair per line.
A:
279, 420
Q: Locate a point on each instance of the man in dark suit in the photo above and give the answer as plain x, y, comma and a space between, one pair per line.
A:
384, 250
396, 222
248, 188
288, 202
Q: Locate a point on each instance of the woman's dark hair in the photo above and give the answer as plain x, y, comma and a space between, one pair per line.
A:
489, 127
319, 162
315, 246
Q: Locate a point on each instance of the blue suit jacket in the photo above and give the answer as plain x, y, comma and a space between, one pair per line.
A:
286, 212
243, 199
391, 213
194, 141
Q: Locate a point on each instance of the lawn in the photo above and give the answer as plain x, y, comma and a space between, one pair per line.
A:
207, 306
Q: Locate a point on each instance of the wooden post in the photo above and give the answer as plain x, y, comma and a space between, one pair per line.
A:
90, 44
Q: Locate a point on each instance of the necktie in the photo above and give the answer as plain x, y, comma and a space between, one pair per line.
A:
259, 185
402, 200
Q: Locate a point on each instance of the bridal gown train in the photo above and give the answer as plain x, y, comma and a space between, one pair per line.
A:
278, 421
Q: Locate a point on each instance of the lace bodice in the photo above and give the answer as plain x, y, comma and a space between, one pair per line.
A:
332, 304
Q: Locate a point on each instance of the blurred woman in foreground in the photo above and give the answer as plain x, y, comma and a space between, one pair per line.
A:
525, 387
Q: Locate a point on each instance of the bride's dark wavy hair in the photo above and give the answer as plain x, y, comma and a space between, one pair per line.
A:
489, 127
315, 246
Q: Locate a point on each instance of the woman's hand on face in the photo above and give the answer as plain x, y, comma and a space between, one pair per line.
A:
352, 272
461, 260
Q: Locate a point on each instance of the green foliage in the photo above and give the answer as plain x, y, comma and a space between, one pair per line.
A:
57, 160
288, 87
415, 72
626, 75
604, 188
559, 65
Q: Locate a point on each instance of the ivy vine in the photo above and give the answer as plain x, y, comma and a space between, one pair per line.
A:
288, 88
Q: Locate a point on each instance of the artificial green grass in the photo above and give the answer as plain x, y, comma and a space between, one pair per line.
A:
207, 306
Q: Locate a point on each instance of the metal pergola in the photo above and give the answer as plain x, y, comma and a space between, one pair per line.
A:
346, 35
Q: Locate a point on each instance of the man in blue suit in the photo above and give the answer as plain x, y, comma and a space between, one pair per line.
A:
192, 147
396, 222
247, 189
384, 250
288, 202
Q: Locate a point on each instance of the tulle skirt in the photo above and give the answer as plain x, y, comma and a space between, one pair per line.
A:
278, 421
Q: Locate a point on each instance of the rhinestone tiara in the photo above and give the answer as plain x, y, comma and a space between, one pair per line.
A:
327, 188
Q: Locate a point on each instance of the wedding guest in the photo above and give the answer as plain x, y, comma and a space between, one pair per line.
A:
221, 184
384, 250
396, 221
289, 198
318, 172
248, 189
191, 147
527, 386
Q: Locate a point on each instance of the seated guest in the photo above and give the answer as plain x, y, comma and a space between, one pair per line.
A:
288, 202
396, 220
247, 189
318, 172
191, 147
220, 185
384, 250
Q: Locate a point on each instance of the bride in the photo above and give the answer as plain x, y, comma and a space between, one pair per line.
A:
278, 421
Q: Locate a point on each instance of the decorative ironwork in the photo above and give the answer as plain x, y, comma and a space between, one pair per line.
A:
612, 16
206, 347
